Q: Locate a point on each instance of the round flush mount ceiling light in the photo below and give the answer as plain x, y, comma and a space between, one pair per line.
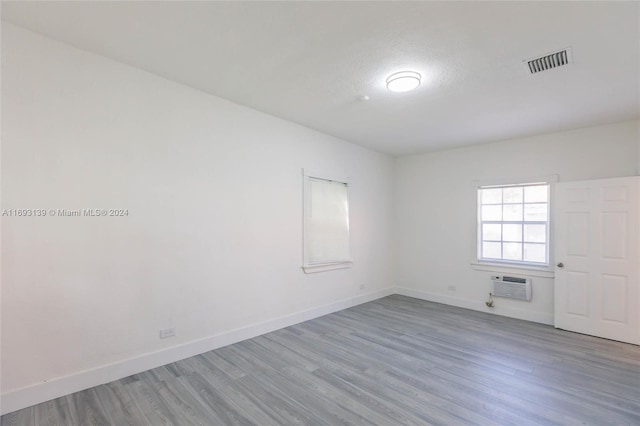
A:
403, 81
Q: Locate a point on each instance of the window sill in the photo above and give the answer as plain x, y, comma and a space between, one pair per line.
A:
312, 269
531, 271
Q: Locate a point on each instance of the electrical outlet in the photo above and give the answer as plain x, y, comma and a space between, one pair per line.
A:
167, 332
452, 288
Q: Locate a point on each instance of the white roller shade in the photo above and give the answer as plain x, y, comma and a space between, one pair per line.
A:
326, 221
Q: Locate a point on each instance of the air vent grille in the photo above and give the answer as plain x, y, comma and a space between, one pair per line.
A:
511, 287
550, 61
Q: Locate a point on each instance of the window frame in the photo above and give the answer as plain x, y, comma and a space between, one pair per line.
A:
321, 266
494, 265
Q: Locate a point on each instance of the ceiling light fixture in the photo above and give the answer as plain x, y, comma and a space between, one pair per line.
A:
403, 81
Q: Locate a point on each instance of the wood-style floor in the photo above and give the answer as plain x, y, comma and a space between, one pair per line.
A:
393, 361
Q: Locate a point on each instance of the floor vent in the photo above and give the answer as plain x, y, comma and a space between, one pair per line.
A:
550, 61
511, 287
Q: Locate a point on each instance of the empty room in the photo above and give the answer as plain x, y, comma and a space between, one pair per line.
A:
320, 213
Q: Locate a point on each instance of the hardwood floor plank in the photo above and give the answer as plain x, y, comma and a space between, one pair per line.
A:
53, 412
214, 397
377, 400
505, 404
184, 405
334, 393
238, 400
150, 404
119, 404
25, 416
86, 408
229, 369
324, 410
289, 357
113, 407
276, 403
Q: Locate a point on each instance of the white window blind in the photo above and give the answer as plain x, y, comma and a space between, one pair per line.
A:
326, 224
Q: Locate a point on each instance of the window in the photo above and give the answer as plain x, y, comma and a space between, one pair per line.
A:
513, 223
326, 224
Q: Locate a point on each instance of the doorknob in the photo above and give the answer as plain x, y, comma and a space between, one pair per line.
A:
560, 265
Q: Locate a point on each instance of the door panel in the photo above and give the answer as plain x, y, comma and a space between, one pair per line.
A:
578, 287
614, 294
577, 234
597, 242
614, 235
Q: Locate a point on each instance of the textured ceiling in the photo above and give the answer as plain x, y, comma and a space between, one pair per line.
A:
312, 62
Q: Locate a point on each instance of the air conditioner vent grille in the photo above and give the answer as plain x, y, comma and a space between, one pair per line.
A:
511, 287
514, 279
550, 61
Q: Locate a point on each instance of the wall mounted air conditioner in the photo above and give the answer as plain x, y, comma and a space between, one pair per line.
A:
511, 287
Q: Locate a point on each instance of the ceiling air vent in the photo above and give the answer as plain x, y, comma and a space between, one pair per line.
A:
547, 62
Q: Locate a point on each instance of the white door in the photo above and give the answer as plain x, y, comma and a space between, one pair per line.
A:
598, 258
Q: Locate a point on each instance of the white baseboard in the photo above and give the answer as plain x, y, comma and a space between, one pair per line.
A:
41, 392
477, 305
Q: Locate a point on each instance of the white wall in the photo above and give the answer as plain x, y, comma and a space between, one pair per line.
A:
435, 219
213, 238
